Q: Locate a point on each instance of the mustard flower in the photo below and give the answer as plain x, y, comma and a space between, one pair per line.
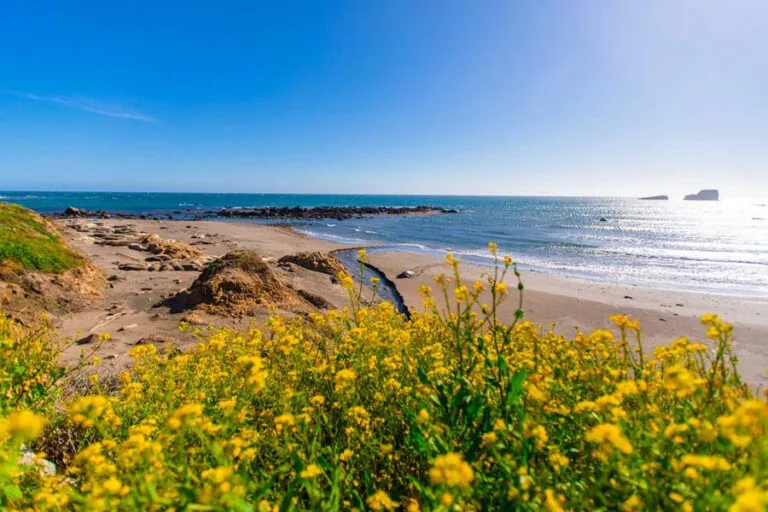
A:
451, 470
380, 500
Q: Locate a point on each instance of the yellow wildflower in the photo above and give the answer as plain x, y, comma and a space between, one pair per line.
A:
283, 421
749, 497
489, 438
680, 380
633, 504
22, 425
380, 500
609, 436
451, 470
311, 471
551, 502
344, 379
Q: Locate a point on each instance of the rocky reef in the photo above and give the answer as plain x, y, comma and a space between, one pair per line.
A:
286, 213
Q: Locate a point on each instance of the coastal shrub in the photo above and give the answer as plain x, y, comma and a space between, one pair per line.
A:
450, 410
27, 242
31, 380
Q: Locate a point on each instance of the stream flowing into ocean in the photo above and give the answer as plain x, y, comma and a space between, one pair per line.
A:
719, 247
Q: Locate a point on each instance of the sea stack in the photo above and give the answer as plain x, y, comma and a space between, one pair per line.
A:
704, 195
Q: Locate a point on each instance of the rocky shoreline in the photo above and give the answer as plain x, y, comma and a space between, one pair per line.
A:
279, 213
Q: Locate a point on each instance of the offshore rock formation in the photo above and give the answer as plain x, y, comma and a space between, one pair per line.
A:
655, 198
704, 195
287, 213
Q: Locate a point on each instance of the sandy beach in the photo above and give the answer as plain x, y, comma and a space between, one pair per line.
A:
128, 310
572, 303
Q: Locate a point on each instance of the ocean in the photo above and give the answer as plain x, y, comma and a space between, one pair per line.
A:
718, 247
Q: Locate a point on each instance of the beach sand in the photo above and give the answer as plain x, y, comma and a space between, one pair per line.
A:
126, 311
572, 303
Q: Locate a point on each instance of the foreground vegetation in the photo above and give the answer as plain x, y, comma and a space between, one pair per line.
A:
363, 409
27, 242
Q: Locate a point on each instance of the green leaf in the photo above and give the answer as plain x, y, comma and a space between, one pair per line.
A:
285, 505
503, 367
419, 440
515, 388
422, 375
12, 492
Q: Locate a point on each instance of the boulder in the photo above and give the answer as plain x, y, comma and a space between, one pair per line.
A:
87, 340
158, 257
316, 300
152, 339
317, 261
132, 266
172, 248
30, 458
194, 318
71, 211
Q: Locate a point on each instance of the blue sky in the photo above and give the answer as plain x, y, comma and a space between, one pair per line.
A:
590, 97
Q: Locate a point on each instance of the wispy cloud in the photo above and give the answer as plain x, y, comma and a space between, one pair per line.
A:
86, 105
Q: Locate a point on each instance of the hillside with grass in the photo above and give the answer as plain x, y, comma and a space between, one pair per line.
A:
30, 243
39, 271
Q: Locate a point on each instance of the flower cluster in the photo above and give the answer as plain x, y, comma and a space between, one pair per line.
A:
364, 409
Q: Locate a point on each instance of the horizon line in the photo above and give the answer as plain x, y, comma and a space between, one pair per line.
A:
367, 194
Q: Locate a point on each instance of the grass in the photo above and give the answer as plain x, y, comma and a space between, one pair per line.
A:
27, 242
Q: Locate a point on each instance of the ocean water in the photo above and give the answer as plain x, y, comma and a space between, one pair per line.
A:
719, 247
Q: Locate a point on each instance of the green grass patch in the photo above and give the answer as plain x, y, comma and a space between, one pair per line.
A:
26, 241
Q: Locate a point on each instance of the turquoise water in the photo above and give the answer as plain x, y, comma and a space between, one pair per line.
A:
713, 246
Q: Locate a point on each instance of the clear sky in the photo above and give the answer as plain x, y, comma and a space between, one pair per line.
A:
557, 97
